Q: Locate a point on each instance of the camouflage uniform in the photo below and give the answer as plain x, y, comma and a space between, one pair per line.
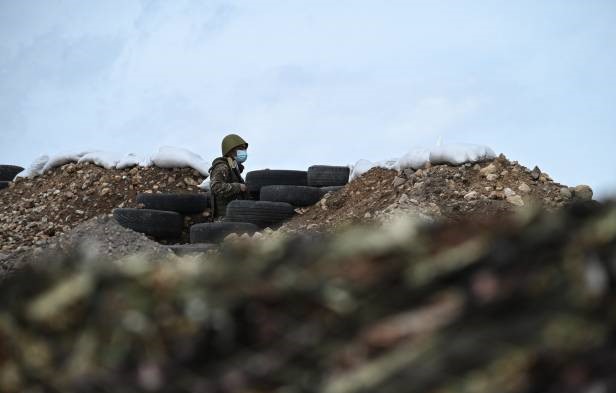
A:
225, 180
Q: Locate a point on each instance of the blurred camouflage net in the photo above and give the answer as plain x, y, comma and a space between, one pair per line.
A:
522, 305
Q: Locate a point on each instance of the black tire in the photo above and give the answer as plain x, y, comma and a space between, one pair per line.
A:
326, 190
295, 195
181, 203
270, 177
8, 172
325, 176
191, 249
215, 232
156, 223
4, 184
262, 214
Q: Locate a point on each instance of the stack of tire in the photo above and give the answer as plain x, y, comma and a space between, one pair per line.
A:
162, 217
280, 192
7, 174
277, 194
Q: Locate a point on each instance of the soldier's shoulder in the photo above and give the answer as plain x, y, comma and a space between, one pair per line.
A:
220, 161
219, 168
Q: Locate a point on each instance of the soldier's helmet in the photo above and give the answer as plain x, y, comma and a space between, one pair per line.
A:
232, 141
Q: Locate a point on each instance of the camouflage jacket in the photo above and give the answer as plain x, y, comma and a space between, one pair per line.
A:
225, 180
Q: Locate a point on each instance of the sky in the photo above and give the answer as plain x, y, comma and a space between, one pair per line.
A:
310, 82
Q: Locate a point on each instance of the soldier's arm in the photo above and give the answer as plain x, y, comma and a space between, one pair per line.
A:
219, 182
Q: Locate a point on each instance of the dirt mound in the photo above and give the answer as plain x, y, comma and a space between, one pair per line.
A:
491, 188
100, 238
33, 210
515, 307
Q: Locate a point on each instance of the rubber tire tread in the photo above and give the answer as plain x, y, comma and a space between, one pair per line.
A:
295, 195
214, 232
274, 177
325, 176
8, 172
192, 203
156, 223
261, 213
4, 184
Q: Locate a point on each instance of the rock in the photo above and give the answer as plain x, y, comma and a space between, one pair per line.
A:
504, 173
566, 193
583, 193
543, 179
408, 173
477, 167
488, 170
515, 200
367, 215
499, 195
105, 191
492, 177
471, 196
524, 188
535, 173
509, 192
398, 181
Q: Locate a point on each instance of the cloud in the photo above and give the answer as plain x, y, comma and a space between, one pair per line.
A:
312, 82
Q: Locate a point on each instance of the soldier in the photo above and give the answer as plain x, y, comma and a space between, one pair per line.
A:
226, 182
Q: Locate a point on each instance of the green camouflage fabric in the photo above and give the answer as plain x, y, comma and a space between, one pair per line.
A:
525, 304
225, 185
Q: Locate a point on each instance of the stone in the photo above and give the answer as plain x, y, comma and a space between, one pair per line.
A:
535, 173
471, 195
509, 192
398, 181
488, 170
492, 177
524, 188
515, 200
566, 193
583, 193
408, 173
499, 195
404, 199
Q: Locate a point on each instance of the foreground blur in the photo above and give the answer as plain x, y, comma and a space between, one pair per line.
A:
522, 305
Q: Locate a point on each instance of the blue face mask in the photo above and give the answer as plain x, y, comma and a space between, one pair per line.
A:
241, 156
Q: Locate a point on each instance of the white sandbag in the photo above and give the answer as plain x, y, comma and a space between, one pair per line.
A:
63, 159
461, 153
36, 168
415, 159
105, 159
175, 157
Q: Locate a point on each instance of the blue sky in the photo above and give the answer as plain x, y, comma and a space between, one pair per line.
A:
314, 82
